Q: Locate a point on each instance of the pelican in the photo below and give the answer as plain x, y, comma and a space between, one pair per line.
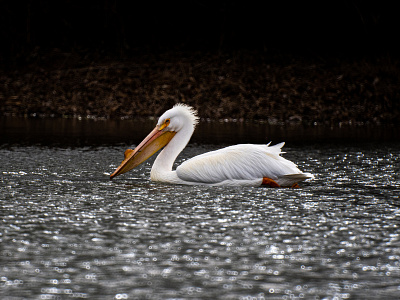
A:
238, 165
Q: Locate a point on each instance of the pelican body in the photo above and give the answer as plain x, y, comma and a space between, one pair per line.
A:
243, 165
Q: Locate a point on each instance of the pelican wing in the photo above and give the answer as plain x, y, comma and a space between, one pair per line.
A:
239, 162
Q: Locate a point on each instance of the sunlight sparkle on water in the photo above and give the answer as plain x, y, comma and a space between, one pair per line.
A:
67, 230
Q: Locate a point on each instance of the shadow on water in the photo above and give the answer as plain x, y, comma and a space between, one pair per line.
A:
88, 132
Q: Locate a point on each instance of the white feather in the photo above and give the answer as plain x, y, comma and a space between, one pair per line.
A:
244, 164
239, 162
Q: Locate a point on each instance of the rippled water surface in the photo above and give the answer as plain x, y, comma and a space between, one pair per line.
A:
67, 231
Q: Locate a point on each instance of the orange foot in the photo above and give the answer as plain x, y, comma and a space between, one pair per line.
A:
269, 182
295, 186
272, 183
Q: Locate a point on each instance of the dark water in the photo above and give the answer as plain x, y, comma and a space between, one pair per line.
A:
91, 132
66, 231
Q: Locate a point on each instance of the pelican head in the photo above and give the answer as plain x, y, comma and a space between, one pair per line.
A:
180, 117
180, 120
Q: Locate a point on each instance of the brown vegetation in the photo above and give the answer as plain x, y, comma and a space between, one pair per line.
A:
243, 85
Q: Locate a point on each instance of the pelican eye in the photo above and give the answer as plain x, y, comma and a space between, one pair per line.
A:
165, 124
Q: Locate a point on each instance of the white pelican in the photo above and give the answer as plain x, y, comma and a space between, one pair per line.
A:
245, 164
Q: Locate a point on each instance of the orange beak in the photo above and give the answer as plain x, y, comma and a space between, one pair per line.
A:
156, 140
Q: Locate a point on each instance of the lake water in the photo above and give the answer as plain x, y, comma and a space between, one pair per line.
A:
67, 231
